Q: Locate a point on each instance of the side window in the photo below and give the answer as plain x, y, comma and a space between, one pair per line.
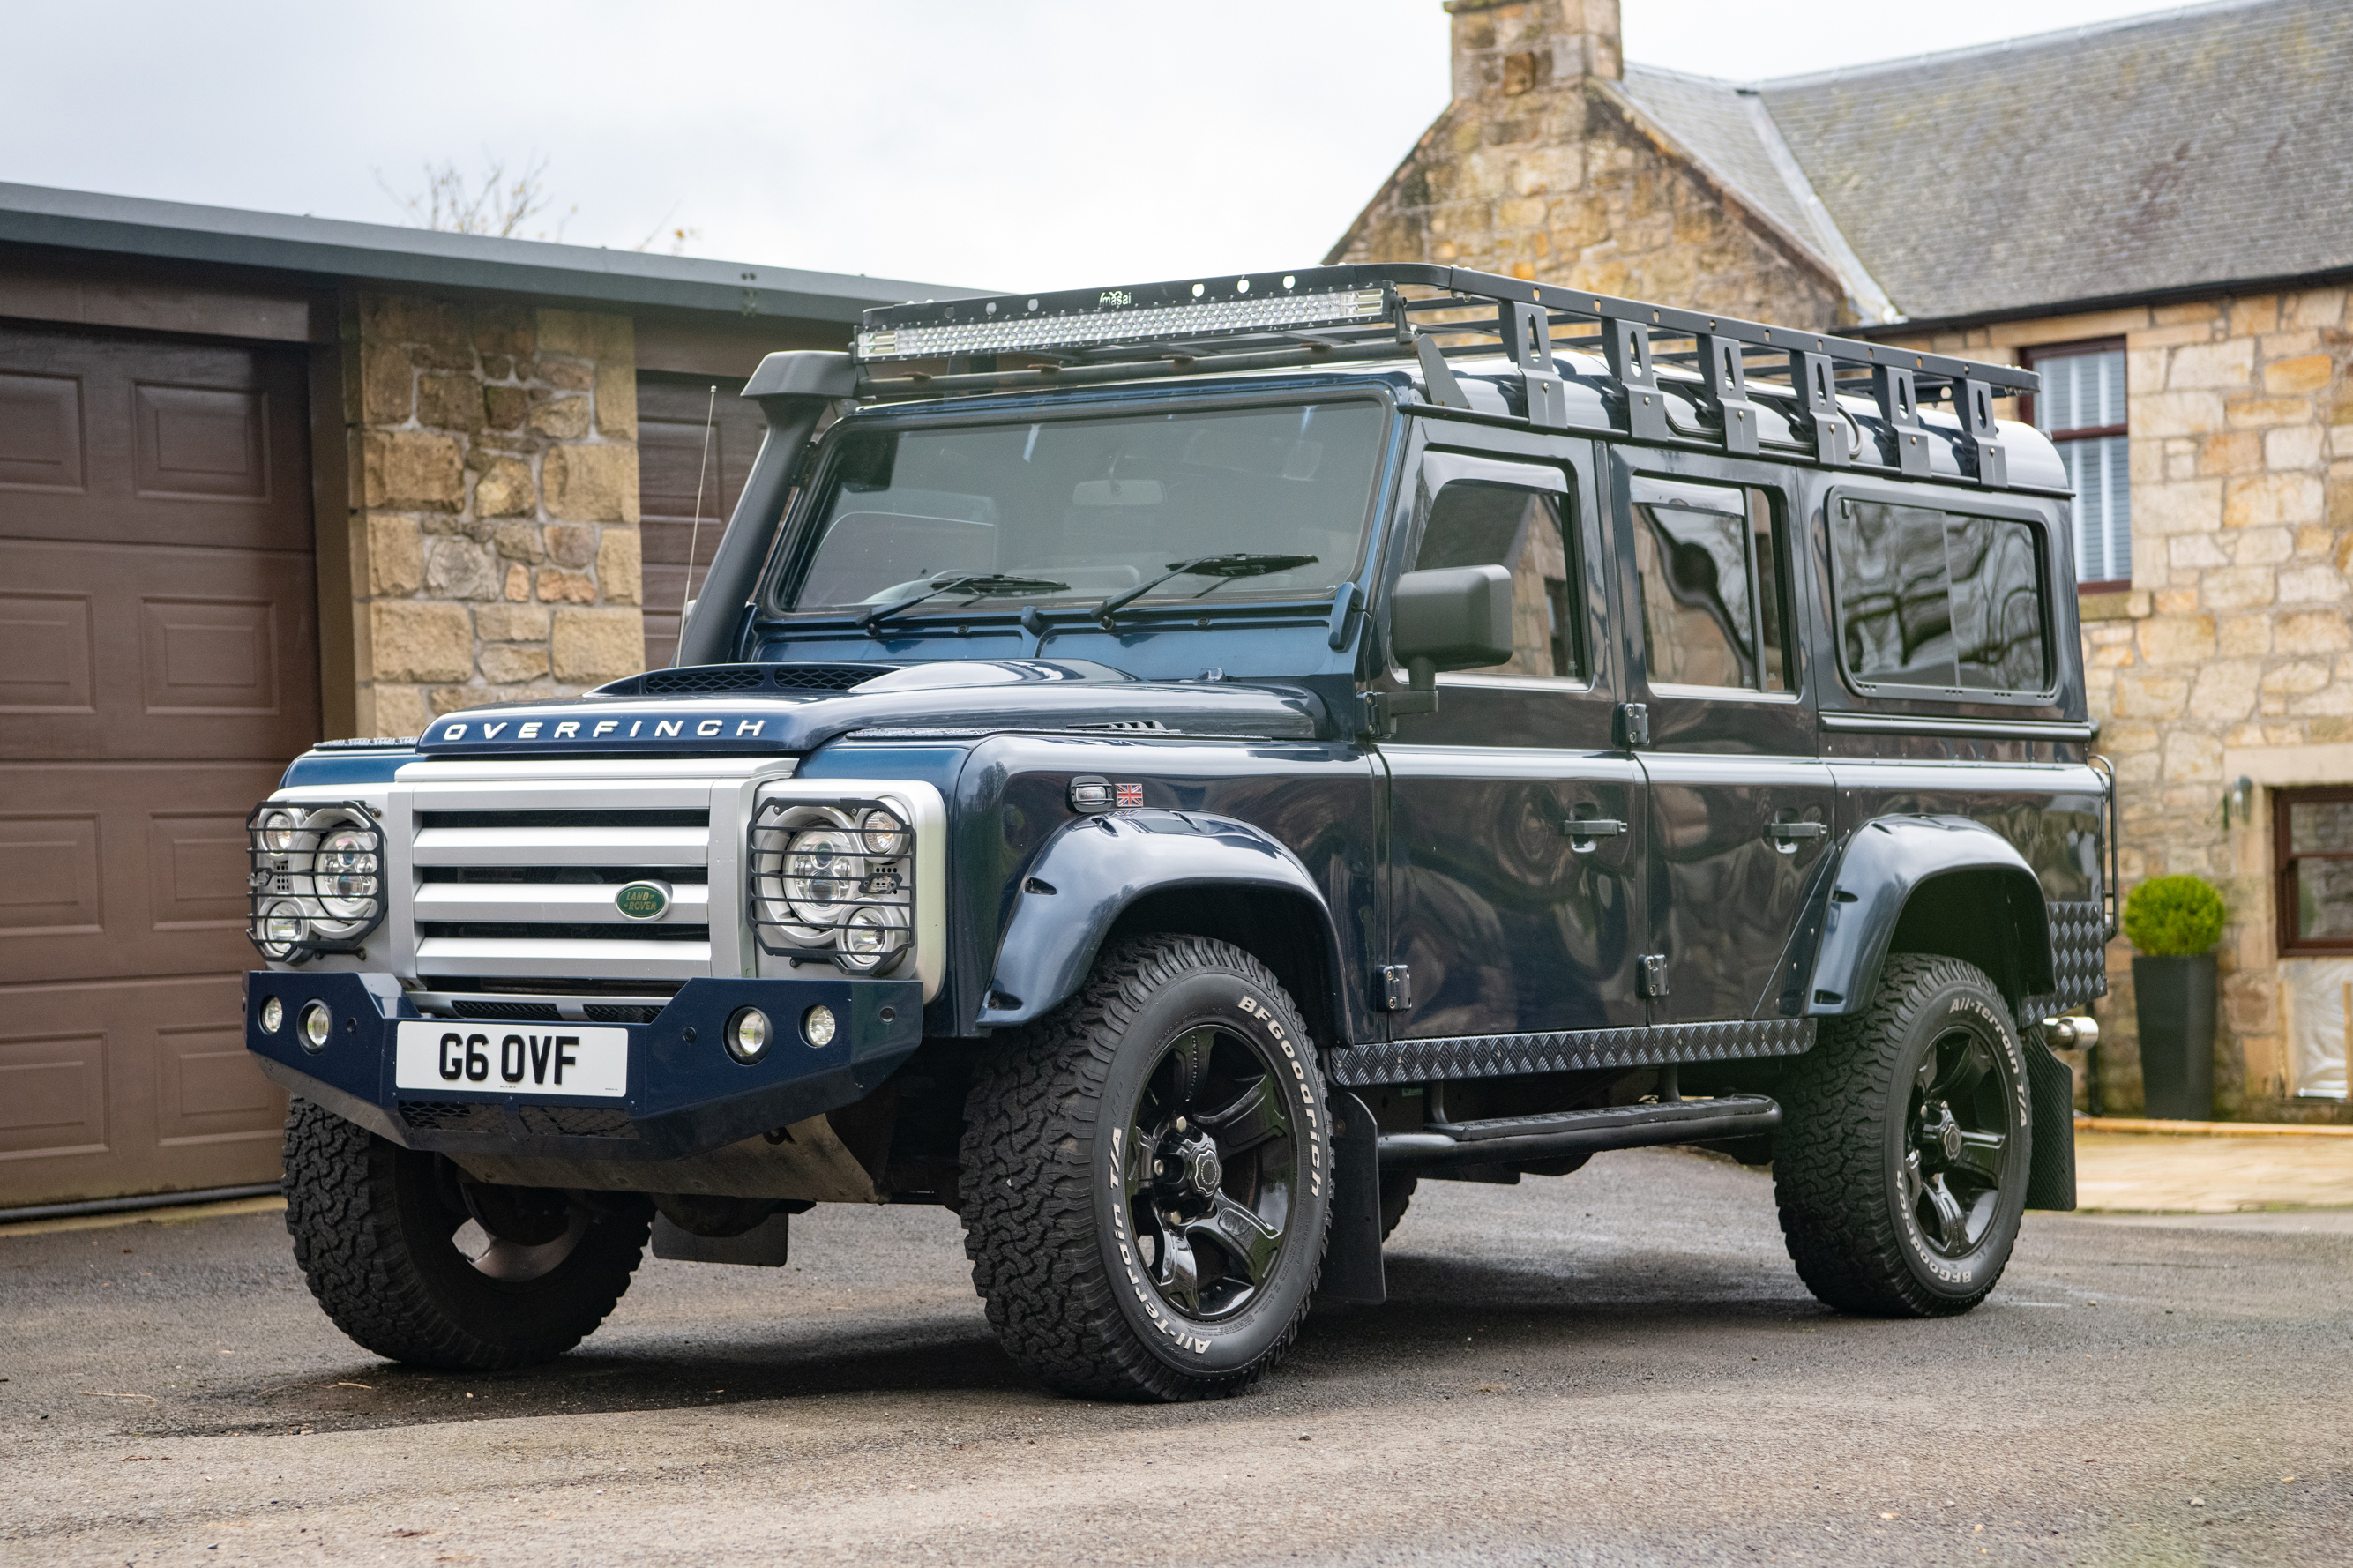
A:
1474, 522
1708, 559
1934, 598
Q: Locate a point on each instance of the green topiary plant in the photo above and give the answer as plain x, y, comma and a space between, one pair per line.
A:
2174, 917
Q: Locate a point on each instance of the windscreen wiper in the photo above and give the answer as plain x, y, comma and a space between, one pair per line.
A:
1225, 568
978, 584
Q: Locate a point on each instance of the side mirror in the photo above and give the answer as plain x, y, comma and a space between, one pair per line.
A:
1458, 617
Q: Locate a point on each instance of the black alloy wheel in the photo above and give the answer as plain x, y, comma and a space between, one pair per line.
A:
1147, 1176
1901, 1163
1211, 1167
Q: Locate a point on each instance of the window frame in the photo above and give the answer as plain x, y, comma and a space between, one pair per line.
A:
1951, 506
2028, 357
1573, 540
1784, 550
2284, 864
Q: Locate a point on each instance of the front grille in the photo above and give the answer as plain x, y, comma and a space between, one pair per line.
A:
561, 930
510, 820
556, 985
453, 1116
577, 1121
578, 875
607, 1013
509, 1012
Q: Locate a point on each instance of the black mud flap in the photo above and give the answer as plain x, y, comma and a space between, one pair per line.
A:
1352, 1257
2051, 1092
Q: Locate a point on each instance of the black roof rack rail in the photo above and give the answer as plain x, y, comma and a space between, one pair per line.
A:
1323, 316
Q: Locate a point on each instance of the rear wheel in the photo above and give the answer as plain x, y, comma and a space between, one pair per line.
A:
1147, 1177
421, 1266
1901, 1162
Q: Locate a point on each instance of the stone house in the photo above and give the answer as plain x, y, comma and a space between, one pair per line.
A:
266, 479
2157, 214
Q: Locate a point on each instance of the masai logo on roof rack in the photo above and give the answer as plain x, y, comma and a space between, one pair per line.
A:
1114, 297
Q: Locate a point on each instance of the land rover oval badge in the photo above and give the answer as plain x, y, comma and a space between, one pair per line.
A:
642, 900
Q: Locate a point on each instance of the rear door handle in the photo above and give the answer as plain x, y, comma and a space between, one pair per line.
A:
1786, 835
1583, 830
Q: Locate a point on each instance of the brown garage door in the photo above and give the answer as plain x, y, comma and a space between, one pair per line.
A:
670, 415
158, 664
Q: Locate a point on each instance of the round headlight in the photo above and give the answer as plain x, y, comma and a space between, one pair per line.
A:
282, 926
273, 1015
346, 872
884, 834
747, 1035
817, 1026
871, 938
822, 872
316, 1024
278, 830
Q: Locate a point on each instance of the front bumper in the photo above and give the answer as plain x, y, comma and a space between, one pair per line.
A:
685, 1093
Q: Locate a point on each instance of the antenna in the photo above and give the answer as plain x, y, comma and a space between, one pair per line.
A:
686, 594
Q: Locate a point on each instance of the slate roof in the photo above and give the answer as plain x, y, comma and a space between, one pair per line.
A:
2205, 146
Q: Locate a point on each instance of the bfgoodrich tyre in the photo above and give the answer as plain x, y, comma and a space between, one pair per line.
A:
1901, 1163
1146, 1184
421, 1267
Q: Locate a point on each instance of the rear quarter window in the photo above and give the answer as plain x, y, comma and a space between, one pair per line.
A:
1932, 600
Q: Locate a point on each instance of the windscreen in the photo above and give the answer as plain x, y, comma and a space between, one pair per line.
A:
1237, 503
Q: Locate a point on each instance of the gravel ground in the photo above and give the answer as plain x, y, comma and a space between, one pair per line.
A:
1618, 1366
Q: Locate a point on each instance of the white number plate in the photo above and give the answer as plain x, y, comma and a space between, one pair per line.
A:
519, 1058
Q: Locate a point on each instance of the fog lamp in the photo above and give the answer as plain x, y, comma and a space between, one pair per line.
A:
818, 1024
316, 1023
282, 925
748, 1034
273, 1015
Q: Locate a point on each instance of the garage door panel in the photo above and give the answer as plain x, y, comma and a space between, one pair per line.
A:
40, 432
141, 1086
49, 653
159, 443
673, 465
158, 653
141, 869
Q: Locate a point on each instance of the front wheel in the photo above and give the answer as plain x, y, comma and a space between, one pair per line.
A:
420, 1266
1147, 1177
1902, 1159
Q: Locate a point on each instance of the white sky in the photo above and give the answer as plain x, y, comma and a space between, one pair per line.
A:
997, 143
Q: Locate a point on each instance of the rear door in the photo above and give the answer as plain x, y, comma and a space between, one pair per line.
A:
1740, 803
1516, 819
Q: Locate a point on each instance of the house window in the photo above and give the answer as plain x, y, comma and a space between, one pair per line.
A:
2082, 409
2312, 852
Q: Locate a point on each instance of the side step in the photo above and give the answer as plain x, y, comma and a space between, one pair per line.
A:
1506, 1139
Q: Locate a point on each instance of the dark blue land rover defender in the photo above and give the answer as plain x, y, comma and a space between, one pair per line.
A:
1167, 769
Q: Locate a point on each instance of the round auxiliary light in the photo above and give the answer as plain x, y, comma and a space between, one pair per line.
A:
748, 1034
278, 831
868, 938
316, 1024
273, 1015
346, 873
282, 925
884, 834
822, 871
817, 1026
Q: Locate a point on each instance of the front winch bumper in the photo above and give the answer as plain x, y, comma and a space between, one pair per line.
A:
683, 1092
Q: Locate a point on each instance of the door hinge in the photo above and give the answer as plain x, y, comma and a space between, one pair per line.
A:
1396, 987
1654, 974
1633, 724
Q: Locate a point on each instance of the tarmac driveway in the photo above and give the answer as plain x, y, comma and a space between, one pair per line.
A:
1618, 1366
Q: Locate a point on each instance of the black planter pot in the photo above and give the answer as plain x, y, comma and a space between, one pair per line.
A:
2173, 999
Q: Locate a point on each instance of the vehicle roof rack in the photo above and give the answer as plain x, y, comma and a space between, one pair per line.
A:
1325, 316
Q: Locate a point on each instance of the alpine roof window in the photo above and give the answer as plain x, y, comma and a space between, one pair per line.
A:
1709, 560
2082, 409
1939, 599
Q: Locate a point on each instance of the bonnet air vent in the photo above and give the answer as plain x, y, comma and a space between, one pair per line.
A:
704, 679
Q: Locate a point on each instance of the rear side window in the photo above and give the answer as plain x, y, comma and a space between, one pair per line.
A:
1474, 522
1939, 599
1709, 560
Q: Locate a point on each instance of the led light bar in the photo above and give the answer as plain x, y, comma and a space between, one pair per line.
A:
1156, 312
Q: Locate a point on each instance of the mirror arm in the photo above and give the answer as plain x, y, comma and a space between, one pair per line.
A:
1421, 695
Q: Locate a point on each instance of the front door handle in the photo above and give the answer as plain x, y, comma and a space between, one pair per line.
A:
1787, 835
1583, 830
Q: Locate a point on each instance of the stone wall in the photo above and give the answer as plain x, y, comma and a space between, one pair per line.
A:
494, 472
2232, 655
1538, 169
